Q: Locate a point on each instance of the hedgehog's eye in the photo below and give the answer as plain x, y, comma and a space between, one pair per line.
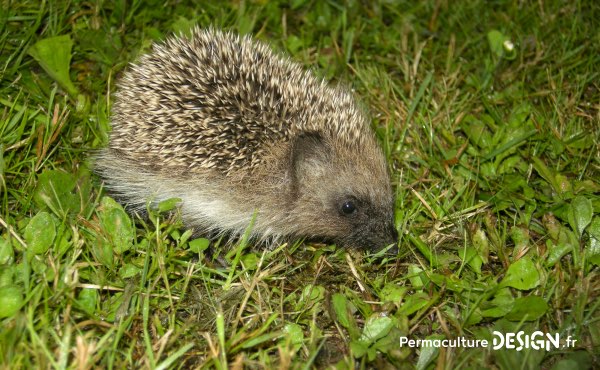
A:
348, 207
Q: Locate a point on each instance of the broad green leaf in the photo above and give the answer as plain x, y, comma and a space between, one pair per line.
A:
567, 364
519, 116
58, 190
495, 39
501, 304
563, 184
522, 275
371, 353
117, 225
42, 269
390, 341
294, 44
343, 312
168, 204
546, 173
501, 45
182, 238
470, 256
392, 293
498, 311
375, 327
106, 46
311, 294
510, 140
415, 276
527, 308
103, 252
472, 317
580, 214
414, 303
575, 360
87, 300
40, 233
54, 55
293, 333
129, 270
11, 299
199, 245
520, 237
250, 261
509, 166
450, 282
553, 226
488, 170
593, 248
6, 252
358, 349
482, 244
428, 354
183, 25
21, 273
64, 234
6, 275
477, 132
557, 251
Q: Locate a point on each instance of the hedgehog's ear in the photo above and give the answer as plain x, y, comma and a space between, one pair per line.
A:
309, 156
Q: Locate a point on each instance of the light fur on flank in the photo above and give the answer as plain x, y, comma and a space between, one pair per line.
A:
239, 132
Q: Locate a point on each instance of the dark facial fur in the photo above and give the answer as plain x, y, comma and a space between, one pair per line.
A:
238, 132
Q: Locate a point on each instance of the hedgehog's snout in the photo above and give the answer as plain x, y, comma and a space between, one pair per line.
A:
393, 234
387, 236
374, 236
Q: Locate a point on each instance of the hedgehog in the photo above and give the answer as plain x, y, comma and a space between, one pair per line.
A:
245, 136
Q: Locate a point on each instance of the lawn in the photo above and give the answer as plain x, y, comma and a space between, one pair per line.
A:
489, 116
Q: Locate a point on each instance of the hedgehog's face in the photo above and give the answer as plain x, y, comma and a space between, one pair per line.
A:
362, 222
341, 195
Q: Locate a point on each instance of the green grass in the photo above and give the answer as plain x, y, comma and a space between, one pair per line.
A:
495, 161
